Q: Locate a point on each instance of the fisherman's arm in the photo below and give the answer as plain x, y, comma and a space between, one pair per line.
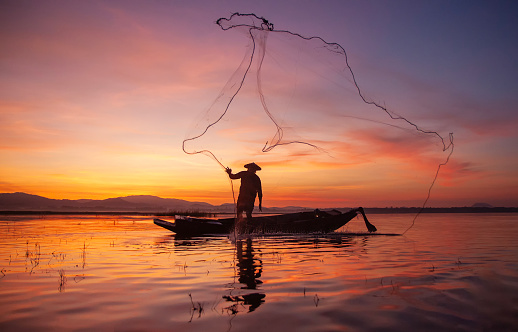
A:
232, 176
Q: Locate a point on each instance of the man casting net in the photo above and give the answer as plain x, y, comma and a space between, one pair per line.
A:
294, 105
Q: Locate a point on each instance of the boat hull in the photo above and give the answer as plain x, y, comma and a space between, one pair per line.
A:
301, 222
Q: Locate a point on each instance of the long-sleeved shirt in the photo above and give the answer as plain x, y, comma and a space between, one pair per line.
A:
250, 187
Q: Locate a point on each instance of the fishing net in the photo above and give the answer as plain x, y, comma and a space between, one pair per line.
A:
293, 105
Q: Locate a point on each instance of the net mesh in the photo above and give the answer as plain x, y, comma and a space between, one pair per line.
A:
294, 101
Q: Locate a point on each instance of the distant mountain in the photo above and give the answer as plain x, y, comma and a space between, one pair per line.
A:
141, 203
23, 201
158, 201
484, 205
136, 203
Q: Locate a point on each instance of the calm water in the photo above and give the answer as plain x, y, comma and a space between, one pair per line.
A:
454, 272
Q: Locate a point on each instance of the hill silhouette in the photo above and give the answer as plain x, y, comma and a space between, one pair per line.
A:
22, 202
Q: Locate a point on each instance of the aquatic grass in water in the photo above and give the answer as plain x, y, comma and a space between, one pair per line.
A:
450, 272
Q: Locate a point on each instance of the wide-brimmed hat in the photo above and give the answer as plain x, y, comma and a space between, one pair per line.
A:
253, 166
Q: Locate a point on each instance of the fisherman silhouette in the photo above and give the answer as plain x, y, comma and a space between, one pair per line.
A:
250, 188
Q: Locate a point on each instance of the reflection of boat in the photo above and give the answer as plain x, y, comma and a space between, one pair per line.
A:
301, 222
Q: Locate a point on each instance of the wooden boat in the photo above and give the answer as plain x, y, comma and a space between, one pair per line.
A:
301, 222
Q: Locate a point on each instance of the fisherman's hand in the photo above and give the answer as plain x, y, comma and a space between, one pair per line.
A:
228, 170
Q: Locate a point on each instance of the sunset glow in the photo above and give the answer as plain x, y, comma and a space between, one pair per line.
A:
97, 97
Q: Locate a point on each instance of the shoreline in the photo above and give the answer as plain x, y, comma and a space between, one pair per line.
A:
401, 210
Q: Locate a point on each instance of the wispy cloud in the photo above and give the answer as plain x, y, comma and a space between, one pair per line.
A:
96, 99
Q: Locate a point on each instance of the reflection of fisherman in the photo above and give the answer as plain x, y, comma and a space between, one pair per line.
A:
250, 188
250, 269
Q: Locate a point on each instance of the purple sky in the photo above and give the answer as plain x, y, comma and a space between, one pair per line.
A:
97, 96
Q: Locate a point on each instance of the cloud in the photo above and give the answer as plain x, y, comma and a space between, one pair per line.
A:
98, 49
456, 173
109, 88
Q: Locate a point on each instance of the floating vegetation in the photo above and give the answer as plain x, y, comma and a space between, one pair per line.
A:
198, 307
316, 299
83, 254
33, 256
62, 280
395, 287
79, 278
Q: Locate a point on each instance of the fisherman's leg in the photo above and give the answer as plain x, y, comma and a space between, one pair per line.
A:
240, 223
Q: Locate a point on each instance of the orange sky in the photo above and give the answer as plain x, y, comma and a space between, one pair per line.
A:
96, 99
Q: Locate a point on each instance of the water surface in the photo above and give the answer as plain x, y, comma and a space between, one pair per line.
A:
454, 272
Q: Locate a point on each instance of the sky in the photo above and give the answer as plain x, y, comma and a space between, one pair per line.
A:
96, 98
